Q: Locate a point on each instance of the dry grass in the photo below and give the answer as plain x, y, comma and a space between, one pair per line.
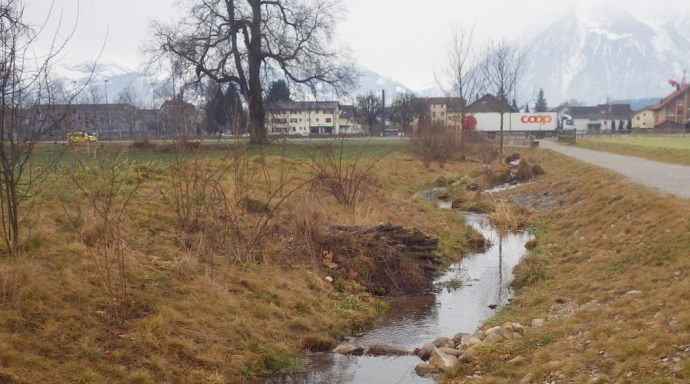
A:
604, 238
505, 216
199, 309
675, 150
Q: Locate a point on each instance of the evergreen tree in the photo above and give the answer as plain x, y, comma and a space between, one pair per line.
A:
541, 105
613, 125
515, 106
526, 108
278, 91
629, 125
620, 125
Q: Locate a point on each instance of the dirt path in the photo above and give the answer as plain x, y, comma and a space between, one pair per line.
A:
667, 178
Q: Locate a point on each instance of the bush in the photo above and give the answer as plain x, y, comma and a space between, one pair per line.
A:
433, 142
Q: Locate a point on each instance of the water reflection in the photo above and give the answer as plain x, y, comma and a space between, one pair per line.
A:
414, 321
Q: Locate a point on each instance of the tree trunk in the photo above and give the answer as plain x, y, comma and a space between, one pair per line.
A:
257, 114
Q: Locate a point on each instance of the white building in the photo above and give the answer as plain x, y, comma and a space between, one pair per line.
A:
602, 117
309, 118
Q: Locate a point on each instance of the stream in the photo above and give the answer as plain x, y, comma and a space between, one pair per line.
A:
417, 320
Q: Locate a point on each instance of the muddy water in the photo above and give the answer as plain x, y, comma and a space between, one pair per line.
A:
415, 321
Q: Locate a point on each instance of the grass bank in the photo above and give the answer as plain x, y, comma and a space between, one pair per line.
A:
217, 251
674, 150
610, 274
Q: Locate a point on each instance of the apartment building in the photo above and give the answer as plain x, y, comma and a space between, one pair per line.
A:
310, 118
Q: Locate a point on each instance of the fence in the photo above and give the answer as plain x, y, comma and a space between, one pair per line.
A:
567, 136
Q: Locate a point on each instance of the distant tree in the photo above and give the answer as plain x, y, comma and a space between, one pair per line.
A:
132, 114
613, 125
621, 125
460, 79
501, 68
629, 125
406, 108
541, 105
244, 42
526, 108
368, 107
278, 91
515, 105
223, 110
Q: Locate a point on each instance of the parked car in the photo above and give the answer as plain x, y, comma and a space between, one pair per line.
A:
81, 137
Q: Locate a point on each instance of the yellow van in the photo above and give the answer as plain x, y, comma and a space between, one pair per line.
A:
81, 137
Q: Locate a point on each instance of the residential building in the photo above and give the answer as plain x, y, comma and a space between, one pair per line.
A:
305, 118
602, 117
674, 110
645, 118
348, 122
441, 110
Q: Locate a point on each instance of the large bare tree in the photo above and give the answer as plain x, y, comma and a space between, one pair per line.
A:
247, 42
461, 77
132, 115
501, 69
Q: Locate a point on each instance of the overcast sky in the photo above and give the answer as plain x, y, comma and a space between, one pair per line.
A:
402, 39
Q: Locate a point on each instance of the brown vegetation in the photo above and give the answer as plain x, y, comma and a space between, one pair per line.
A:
608, 273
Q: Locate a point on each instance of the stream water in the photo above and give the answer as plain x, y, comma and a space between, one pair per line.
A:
417, 320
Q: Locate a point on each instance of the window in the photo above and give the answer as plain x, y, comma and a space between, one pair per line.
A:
638, 118
317, 119
293, 120
443, 114
328, 120
433, 114
670, 112
680, 102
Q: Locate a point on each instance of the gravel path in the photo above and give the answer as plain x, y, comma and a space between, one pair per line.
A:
667, 178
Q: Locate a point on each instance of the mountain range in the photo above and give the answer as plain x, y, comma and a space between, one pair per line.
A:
593, 55
599, 53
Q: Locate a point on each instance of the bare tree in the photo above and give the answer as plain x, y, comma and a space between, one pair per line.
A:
132, 115
501, 68
246, 42
461, 78
406, 108
368, 107
25, 97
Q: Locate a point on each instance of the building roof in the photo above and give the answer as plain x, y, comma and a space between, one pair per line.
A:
601, 111
302, 105
488, 104
672, 97
347, 111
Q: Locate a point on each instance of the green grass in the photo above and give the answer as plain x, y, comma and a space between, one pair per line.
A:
675, 150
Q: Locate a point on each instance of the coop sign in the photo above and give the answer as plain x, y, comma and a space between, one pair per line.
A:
541, 119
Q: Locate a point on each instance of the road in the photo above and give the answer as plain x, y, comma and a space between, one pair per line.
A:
666, 178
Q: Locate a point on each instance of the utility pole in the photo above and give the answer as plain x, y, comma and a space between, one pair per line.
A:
383, 109
107, 112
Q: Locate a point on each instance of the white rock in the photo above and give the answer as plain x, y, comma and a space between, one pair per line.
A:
451, 351
424, 369
443, 342
538, 323
527, 379
345, 349
494, 338
443, 361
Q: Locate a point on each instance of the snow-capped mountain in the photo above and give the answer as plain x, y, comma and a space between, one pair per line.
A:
145, 87
90, 79
371, 81
604, 52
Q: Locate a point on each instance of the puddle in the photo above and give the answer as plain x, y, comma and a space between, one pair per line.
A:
415, 321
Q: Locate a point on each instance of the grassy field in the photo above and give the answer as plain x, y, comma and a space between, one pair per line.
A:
610, 275
212, 271
674, 150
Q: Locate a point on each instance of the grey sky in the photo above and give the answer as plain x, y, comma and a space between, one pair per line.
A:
401, 39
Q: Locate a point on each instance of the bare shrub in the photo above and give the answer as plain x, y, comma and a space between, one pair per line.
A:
218, 202
433, 143
344, 171
100, 222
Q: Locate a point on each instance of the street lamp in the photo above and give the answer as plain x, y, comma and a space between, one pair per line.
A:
107, 111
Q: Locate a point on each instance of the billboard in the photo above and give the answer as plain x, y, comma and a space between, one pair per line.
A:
516, 122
